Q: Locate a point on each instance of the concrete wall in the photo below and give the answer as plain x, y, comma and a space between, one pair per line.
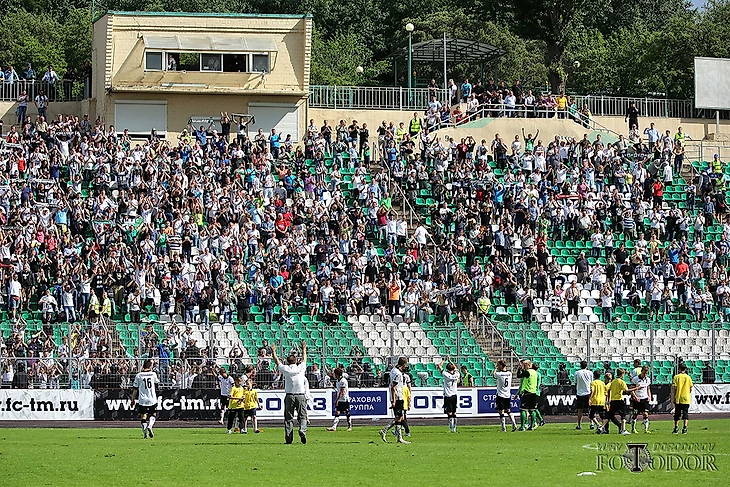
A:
180, 107
7, 111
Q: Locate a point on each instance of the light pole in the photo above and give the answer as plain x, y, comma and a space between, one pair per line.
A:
409, 28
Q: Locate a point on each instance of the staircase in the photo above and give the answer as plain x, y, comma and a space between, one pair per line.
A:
494, 346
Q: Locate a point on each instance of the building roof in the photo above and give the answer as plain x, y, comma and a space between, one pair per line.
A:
214, 43
457, 50
203, 14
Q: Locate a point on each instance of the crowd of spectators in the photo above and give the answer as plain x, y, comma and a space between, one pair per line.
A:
96, 224
496, 99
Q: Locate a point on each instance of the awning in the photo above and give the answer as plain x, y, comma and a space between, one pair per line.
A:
219, 43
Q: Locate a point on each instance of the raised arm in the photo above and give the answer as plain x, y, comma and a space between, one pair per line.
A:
304, 352
274, 356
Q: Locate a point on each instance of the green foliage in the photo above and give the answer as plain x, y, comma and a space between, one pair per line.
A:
335, 60
627, 47
35, 38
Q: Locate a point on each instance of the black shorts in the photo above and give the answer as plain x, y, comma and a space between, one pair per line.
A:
529, 400
152, 410
449, 404
343, 407
681, 411
581, 402
503, 403
599, 411
398, 408
617, 408
224, 402
249, 413
641, 406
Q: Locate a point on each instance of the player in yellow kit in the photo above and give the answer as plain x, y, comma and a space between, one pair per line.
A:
597, 401
617, 406
250, 405
681, 398
235, 405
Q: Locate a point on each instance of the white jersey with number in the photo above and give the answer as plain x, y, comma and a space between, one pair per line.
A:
226, 385
504, 383
643, 391
145, 382
344, 387
396, 381
451, 380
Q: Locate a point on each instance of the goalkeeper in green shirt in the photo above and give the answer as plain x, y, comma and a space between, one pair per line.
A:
538, 414
528, 394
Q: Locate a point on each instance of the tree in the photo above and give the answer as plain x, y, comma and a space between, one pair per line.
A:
554, 22
335, 61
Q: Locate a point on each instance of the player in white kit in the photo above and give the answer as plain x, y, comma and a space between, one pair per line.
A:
504, 394
642, 397
342, 401
226, 383
146, 396
397, 404
451, 381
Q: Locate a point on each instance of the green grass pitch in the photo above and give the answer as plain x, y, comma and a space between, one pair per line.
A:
553, 455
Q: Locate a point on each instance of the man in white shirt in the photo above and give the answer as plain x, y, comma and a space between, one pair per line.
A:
642, 398
504, 394
144, 388
397, 381
226, 383
295, 390
583, 379
451, 380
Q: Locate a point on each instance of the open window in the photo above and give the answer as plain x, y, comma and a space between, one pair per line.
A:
227, 54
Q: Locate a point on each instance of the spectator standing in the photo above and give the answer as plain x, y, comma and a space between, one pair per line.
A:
41, 103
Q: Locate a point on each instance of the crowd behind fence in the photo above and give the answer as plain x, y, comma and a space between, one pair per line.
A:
92, 357
60, 91
398, 98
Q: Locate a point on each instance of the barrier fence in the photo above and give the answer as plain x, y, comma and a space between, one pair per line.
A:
59, 91
398, 98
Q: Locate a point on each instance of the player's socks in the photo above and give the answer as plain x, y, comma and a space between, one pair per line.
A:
503, 420
335, 422
406, 428
144, 428
646, 425
398, 432
349, 423
538, 416
151, 422
512, 418
455, 421
523, 418
390, 425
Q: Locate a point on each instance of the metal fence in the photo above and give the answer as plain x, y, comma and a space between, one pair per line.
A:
56, 92
372, 97
397, 98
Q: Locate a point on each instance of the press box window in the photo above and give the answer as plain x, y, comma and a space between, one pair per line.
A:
261, 63
153, 61
211, 62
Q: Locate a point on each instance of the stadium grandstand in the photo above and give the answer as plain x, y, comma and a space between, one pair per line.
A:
203, 250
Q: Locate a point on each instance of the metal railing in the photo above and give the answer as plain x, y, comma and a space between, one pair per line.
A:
372, 97
56, 92
397, 98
